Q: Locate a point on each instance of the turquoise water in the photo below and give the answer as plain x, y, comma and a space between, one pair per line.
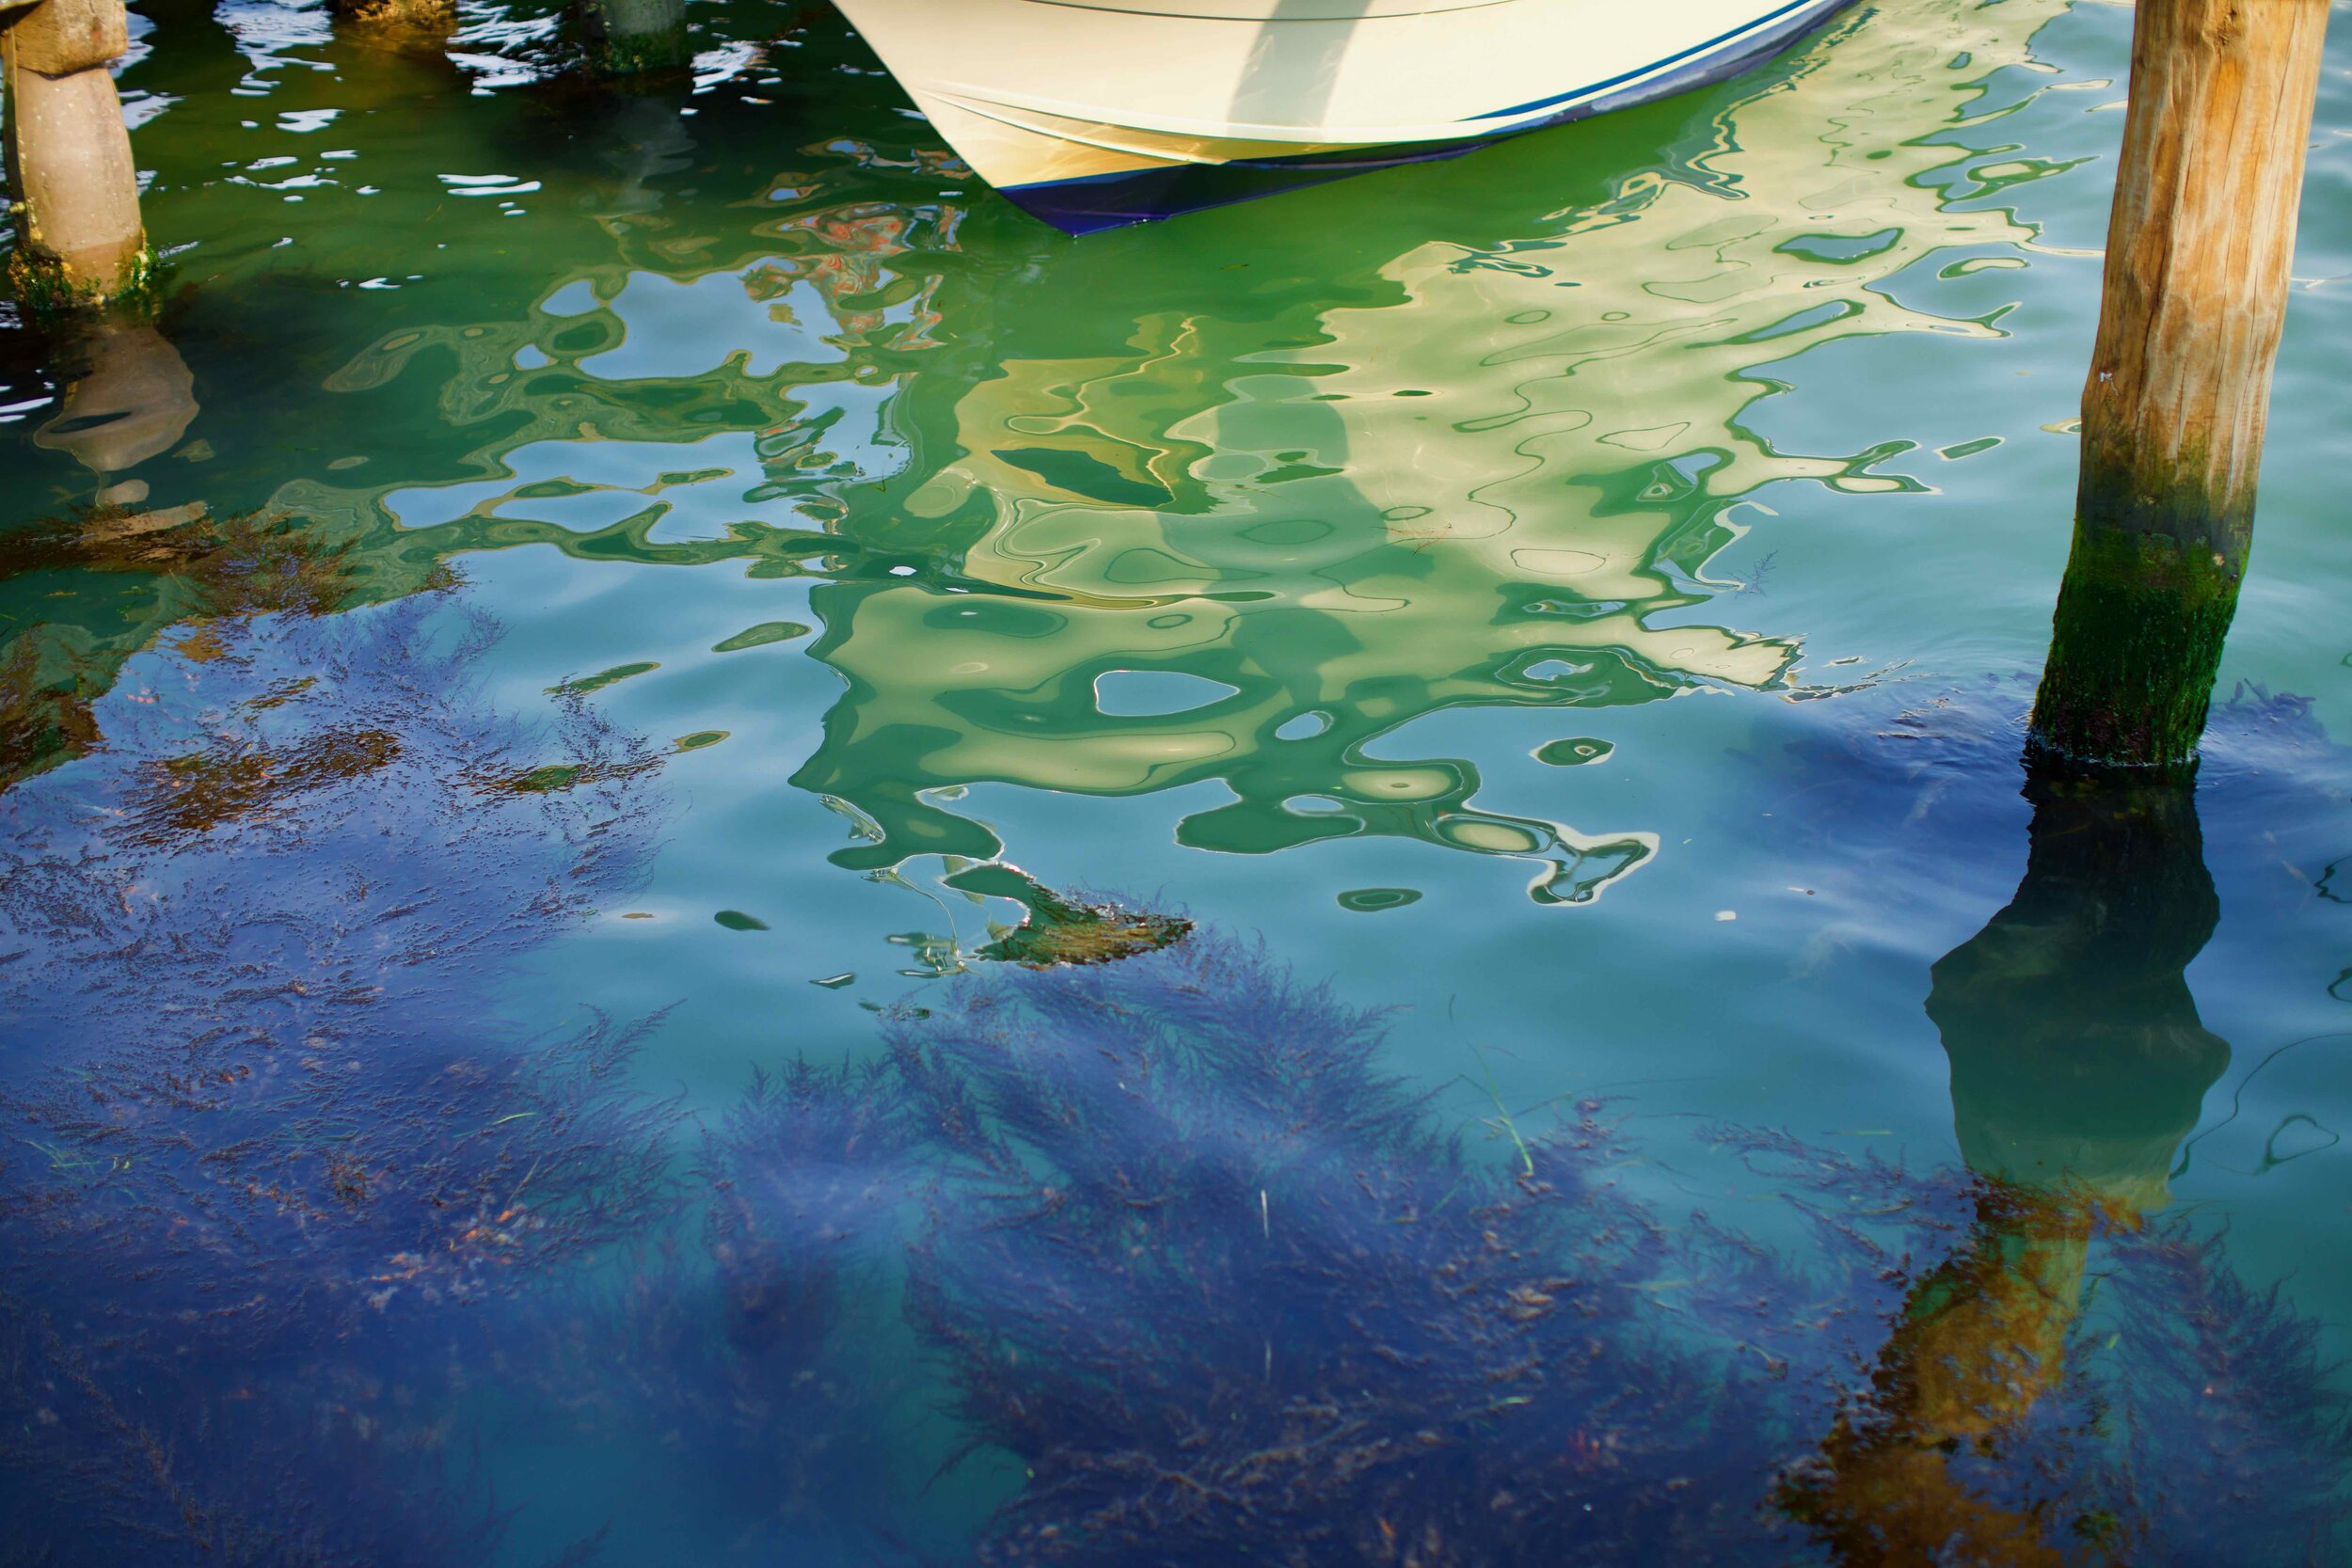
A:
1581, 598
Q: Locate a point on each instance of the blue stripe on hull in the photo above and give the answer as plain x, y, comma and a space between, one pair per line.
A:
1096, 203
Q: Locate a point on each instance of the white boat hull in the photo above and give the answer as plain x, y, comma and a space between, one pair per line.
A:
1097, 112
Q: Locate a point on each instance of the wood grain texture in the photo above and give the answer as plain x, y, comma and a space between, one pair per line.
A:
2199, 249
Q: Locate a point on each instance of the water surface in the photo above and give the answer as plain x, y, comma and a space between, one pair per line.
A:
585, 595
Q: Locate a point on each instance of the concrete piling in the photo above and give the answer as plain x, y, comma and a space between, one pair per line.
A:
74, 188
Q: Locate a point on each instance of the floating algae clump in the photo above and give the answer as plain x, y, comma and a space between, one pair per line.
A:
1070, 931
247, 564
243, 564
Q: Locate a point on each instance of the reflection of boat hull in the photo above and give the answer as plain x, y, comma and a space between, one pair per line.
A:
1097, 112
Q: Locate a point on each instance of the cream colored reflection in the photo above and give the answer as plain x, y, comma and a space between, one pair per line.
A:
132, 398
1485, 492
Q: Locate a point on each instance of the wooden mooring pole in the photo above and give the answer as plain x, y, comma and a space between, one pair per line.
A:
73, 189
2197, 271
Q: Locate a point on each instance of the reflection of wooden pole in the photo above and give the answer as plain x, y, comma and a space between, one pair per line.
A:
1981, 1340
2079, 1063
2196, 272
76, 189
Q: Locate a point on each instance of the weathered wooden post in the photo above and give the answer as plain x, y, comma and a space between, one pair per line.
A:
75, 190
2197, 271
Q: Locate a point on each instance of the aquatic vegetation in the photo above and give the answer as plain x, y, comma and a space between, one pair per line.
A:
284, 1206
96, 1467
1221, 1288
2075, 1388
45, 292
743, 1356
554, 777
248, 563
1063, 934
201, 791
1230, 1296
2008, 1417
2233, 1447
1227, 1292
1067, 930
40, 724
267, 1136
243, 969
202, 567
815, 1176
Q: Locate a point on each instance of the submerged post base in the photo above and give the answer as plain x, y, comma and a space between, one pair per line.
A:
2141, 618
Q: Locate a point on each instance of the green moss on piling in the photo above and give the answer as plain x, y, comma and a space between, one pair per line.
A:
2151, 588
45, 290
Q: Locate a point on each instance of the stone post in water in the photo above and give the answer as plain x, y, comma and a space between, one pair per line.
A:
74, 192
628, 38
2197, 270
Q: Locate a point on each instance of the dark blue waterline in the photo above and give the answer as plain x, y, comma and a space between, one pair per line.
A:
1760, 28
1095, 202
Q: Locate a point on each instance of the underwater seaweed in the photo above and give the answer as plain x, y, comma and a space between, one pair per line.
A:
40, 724
250, 563
1224, 1291
744, 1356
267, 1138
2072, 1383
246, 563
93, 1472
1230, 1295
2235, 1437
282, 1209
250, 974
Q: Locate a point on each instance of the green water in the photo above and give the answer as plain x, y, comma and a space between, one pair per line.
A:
1581, 596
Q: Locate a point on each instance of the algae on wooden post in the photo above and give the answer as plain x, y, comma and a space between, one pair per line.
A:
2197, 269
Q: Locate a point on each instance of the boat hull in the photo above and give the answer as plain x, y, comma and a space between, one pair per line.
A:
1095, 114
